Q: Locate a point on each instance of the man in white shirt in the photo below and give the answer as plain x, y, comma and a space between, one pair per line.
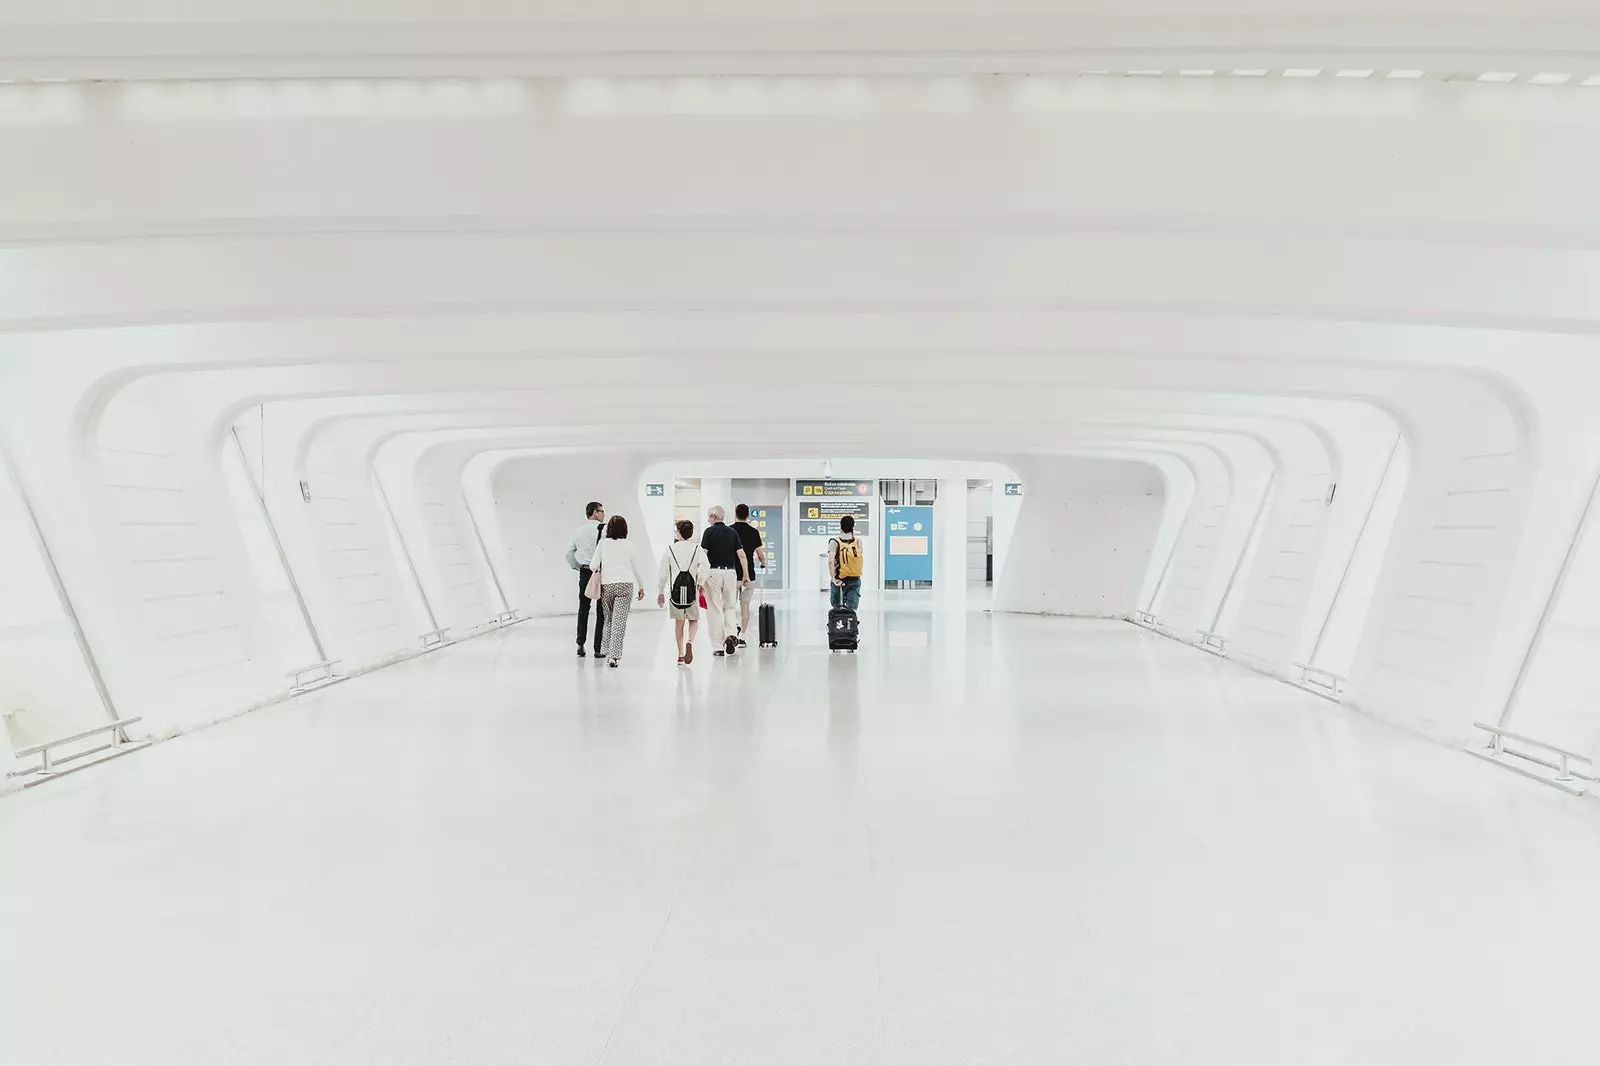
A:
580, 553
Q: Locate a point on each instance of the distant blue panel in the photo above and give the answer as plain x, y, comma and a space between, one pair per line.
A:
908, 543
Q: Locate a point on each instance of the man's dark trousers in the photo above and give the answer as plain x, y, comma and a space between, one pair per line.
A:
584, 574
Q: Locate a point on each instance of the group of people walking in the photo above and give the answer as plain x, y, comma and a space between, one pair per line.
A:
717, 572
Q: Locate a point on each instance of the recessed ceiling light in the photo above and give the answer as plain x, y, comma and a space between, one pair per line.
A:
1550, 79
1592, 80
1144, 73
1498, 76
1404, 75
1197, 73
1250, 73
1094, 72
1354, 74
1302, 72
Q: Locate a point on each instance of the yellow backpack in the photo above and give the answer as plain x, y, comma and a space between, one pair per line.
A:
849, 557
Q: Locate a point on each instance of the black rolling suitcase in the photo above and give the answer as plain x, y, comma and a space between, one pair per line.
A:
767, 624
844, 629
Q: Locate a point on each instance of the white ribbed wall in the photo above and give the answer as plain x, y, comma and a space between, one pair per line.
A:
1012, 280
1083, 540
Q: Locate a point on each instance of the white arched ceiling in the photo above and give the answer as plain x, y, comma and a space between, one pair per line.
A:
1236, 276
301, 38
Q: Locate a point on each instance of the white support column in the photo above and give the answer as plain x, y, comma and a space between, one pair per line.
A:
950, 541
715, 491
8, 761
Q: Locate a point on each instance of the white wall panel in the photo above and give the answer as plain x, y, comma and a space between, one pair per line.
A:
45, 687
361, 575
1559, 701
1279, 586
1437, 609
183, 578
1083, 539
1184, 603
462, 601
1360, 562
539, 502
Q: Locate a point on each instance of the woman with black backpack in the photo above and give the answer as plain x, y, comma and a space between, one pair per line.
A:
685, 572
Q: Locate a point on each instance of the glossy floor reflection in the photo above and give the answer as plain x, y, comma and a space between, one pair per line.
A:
980, 841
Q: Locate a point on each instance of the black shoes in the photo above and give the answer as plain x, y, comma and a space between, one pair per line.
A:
731, 645
581, 652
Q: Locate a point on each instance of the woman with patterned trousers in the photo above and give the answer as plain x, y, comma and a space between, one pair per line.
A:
622, 578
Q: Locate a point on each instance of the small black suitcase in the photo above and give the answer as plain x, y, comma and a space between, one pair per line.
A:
844, 629
767, 625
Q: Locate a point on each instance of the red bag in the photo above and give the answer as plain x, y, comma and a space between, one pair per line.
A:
704, 606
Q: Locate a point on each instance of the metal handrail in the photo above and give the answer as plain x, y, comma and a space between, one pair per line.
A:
325, 664
1308, 668
39, 749
1520, 739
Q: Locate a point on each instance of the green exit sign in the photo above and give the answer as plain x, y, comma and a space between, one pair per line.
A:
655, 490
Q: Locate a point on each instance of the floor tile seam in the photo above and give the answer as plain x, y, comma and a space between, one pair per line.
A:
685, 881
881, 1001
881, 1007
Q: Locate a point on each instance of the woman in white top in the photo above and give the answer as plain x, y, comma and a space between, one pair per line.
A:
683, 557
616, 561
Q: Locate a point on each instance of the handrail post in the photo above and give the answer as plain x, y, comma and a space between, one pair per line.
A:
483, 549
1537, 639
1250, 538
63, 597
1349, 563
405, 552
272, 531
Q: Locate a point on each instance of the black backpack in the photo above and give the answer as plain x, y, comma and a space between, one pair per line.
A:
684, 593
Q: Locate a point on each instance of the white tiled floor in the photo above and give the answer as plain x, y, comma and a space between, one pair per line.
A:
980, 841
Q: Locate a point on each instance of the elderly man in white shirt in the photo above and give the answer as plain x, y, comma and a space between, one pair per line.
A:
580, 553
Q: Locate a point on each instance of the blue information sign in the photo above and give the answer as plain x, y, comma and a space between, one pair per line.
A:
908, 543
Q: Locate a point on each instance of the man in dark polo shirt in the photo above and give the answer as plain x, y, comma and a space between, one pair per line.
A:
750, 540
729, 570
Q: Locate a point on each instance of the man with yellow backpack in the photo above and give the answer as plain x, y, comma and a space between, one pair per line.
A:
844, 567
